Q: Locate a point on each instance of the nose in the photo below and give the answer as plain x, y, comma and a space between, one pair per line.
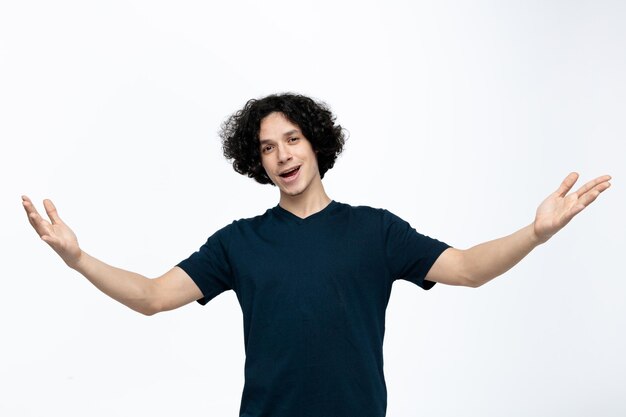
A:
283, 154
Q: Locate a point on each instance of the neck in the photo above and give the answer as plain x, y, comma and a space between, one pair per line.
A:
309, 202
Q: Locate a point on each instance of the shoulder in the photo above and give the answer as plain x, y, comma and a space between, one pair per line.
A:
373, 213
243, 227
255, 220
362, 210
248, 222
373, 218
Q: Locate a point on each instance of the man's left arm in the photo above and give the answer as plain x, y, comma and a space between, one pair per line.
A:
479, 264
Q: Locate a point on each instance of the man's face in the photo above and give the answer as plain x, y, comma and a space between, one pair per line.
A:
283, 147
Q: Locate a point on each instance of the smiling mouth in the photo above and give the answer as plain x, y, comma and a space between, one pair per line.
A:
290, 173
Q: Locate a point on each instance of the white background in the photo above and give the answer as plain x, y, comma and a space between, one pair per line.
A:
463, 117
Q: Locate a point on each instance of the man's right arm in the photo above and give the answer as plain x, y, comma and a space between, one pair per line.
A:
148, 296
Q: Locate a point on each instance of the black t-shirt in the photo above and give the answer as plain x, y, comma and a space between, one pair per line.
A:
313, 293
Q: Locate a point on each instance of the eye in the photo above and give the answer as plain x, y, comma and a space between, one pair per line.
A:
293, 139
266, 148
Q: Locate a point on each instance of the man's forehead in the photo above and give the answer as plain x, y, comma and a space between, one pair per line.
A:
275, 125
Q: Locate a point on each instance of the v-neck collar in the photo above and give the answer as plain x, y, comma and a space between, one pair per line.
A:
286, 214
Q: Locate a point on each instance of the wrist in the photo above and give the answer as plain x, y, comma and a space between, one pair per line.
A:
535, 238
78, 263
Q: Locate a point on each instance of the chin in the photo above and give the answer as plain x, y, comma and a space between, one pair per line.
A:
292, 193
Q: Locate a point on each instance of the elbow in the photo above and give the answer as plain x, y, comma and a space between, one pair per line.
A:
150, 309
145, 309
468, 273
470, 279
472, 283
151, 302
475, 282
148, 312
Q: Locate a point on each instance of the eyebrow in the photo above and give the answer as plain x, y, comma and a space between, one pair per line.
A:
291, 132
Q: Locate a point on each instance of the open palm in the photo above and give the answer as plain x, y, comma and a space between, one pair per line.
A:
559, 208
54, 232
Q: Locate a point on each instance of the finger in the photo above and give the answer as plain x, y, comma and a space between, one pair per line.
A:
52, 211
567, 184
42, 226
30, 209
27, 204
590, 196
39, 224
582, 190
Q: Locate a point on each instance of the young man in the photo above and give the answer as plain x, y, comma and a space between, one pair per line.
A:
313, 276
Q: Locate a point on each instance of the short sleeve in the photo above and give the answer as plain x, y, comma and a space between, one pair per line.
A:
209, 268
409, 254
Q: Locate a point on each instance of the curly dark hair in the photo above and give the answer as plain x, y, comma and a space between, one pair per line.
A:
240, 132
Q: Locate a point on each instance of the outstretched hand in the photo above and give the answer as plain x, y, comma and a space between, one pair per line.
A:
54, 232
558, 209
